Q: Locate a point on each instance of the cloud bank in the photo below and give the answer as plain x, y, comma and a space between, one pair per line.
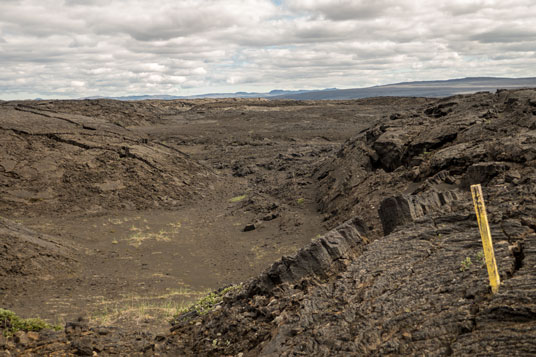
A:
78, 48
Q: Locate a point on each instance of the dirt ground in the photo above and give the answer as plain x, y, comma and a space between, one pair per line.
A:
348, 224
138, 254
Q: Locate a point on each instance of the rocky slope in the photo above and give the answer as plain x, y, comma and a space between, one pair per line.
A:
422, 287
441, 146
65, 162
27, 253
401, 272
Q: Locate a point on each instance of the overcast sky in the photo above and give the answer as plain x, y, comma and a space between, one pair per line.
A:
78, 48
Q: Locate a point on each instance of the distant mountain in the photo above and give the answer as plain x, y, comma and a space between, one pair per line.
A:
419, 89
273, 93
405, 89
137, 97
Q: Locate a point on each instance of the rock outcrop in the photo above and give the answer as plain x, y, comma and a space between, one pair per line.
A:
24, 252
65, 162
418, 283
402, 272
420, 151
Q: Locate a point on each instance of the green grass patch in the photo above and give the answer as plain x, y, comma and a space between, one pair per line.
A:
136, 308
238, 198
11, 323
209, 301
466, 264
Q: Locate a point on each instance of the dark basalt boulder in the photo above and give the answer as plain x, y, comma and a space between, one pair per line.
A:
326, 255
400, 210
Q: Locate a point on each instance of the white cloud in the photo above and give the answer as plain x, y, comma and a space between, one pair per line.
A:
78, 83
75, 48
343, 9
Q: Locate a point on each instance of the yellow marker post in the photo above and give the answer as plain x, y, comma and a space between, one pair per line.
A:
482, 217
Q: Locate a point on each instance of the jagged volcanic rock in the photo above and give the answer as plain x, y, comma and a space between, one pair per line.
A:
72, 162
401, 272
420, 286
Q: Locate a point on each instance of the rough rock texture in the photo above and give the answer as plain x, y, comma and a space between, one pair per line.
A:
324, 256
482, 138
407, 293
422, 288
399, 210
77, 339
119, 113
402, 272
28, 253
58, 162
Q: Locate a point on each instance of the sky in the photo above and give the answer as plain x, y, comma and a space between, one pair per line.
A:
81, 48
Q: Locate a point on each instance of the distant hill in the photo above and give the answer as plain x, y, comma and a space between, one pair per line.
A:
405, 89
273, 93
419, 89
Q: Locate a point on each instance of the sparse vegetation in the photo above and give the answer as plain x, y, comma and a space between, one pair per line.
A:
480, 257
316, 237
138, 308
139, 237
238, 198
426, 154
209, 301
466, 264
134, 232
11, 323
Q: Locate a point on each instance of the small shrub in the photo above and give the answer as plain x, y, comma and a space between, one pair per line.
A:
466, 264
11, 323
207, 302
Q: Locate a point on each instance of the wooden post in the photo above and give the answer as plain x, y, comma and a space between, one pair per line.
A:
481, 216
